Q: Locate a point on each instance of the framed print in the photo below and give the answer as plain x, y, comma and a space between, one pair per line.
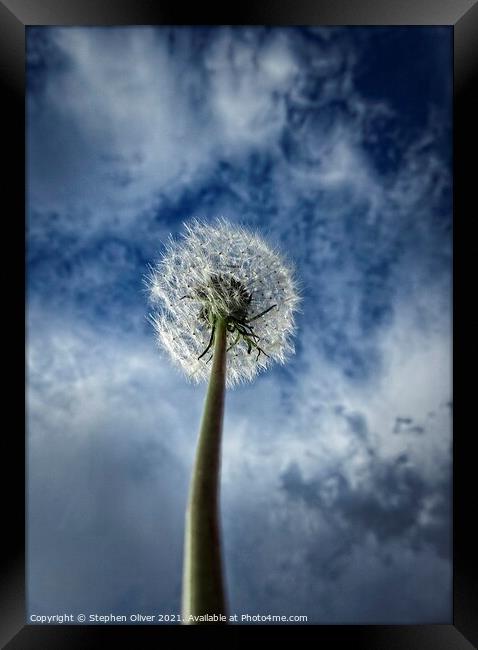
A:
244, 272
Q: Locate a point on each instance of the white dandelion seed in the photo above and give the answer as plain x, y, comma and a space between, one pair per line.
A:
223, 272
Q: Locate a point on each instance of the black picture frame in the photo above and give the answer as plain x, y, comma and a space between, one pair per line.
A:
462, 16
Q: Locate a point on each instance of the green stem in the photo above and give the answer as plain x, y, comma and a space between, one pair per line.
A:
203, 585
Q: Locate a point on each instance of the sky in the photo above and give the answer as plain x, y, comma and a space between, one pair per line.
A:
335, 144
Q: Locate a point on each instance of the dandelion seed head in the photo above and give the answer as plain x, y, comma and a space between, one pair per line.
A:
222, 271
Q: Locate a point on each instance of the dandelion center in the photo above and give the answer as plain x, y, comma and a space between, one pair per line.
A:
222, 297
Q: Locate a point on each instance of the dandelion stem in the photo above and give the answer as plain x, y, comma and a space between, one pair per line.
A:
203, 584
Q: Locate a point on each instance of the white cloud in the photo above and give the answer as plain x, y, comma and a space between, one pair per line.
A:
247, 83
123, 131
125, 121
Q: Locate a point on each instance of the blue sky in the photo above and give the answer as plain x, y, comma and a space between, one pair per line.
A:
335, 143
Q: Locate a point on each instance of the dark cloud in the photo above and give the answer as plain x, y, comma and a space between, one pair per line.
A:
392, 503
406, 425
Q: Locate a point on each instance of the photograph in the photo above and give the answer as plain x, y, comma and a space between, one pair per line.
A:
239, 325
